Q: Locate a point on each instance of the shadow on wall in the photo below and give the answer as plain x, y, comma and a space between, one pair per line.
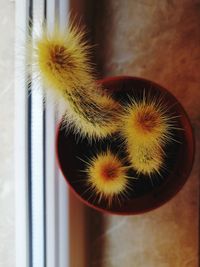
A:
91, 14
86, 225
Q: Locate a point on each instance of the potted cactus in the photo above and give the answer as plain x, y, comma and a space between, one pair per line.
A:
132, 133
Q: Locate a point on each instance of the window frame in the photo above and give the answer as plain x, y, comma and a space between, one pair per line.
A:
41, 193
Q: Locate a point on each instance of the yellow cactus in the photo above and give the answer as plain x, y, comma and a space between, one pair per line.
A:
147, 123
107, 176
92, 114
61, 60
146, 160
146, 129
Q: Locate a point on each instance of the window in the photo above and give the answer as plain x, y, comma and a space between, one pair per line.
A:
41, 192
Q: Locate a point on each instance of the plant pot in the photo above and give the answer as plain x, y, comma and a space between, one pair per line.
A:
148, 193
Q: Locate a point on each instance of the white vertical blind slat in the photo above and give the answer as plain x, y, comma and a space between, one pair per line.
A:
64, 237
37, 153
51, 171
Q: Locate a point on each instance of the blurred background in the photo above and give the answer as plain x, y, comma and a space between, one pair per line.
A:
157, 40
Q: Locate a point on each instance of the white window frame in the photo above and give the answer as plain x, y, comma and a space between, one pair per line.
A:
41, 194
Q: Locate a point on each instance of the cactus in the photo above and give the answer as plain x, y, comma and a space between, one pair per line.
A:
61, 60
107, 176
147, 128
146, 160
147, 122
94, 114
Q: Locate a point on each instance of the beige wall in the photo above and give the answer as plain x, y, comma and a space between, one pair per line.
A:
6, 133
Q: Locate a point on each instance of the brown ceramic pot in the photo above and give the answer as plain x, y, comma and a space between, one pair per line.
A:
148, 193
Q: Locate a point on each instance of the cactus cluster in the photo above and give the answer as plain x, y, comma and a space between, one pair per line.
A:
62, 63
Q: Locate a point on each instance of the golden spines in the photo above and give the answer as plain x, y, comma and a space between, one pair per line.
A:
93, 115
146, 129
62, 62
107, 176
146, 160
62, 59
147, 122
